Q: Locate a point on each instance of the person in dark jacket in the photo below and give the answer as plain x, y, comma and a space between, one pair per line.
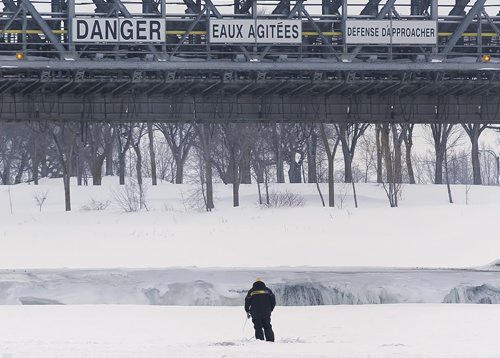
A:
259, 303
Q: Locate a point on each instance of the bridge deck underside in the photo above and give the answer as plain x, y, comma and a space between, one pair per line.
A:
418, 97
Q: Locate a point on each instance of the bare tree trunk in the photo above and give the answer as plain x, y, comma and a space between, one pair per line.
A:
123, 140
409, 165
386, 149
97, 171
43, 166
330, 153
259, 192
476, 164
474, 131
450, 198
440, 135
312, 144
138, 163
280, 171
205, 141
438, 177
209, 179
346, 153
244, 167
65, 141
294, 172
408, 139
236, 181
110, 138
79, 166
34, 168
320, 194
331, 183
266, 183
109, 161
35, 159
122, 166
152, 156
354, 195
378, 133
67, 191
23, 163
179, 169
398, 163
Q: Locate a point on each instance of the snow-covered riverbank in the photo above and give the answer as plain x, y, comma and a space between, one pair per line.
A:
425, 231
227, 287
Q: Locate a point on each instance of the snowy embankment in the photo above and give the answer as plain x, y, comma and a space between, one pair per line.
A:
425, 231
421, 330
228, 287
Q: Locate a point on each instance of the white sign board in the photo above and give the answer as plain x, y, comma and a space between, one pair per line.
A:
255, 31
118, 30
396, 32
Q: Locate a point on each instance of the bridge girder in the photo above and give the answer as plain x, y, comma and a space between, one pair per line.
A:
270, 108
218, 96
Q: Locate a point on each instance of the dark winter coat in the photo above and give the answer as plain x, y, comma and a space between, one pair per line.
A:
260, 300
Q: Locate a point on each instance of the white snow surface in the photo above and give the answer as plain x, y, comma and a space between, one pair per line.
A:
425, 231
172, 254
400, 330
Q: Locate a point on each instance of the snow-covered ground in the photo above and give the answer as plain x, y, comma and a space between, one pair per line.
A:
425, 251
413, 330
425, 231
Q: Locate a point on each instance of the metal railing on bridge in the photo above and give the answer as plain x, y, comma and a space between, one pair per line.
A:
327, 30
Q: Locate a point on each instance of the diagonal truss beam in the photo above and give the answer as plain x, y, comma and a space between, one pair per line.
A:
490, 21
318, 30
473, 12
62, 52
11, 6
185, 35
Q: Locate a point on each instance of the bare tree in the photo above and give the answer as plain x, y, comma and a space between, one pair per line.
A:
349, 134
123, 141
237, 140
205, 134
327, 133
397, 141
378, 143
14, 155
98, 146
288, 140
40, 197
368, 155
65, 136
474, 130
311, 150
407, 130
137, 132
440, 134
261, 159
179, 137
391, 185
152, 154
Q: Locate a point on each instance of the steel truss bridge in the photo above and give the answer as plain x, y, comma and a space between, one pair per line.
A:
45, 75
